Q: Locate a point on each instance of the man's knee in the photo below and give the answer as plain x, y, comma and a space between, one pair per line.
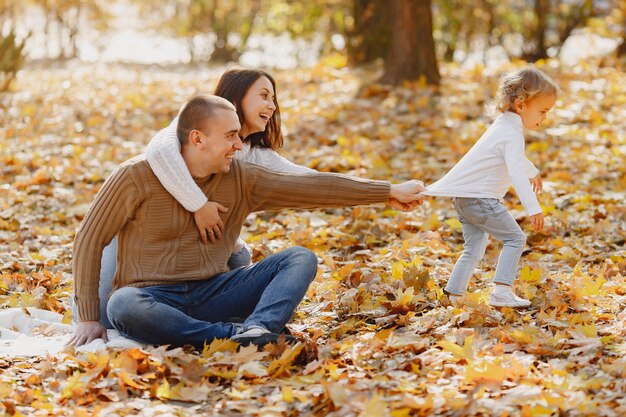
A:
304, 257
122, 304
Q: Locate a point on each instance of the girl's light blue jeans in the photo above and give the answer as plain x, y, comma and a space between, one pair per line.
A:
481, 218
238, 259
195, 312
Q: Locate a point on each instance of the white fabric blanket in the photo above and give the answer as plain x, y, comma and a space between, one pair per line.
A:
34, 332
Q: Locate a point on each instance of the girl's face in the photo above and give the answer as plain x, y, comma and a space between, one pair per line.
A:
257, 106
533, 111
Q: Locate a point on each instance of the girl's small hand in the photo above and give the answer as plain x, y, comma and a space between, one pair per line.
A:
537, 221
537, 184
208, 221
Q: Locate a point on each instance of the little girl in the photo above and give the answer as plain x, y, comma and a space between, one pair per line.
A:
483, 176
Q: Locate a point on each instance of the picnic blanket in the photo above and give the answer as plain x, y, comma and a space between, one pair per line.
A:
35, 332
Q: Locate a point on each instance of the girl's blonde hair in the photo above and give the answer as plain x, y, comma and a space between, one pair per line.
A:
523, 85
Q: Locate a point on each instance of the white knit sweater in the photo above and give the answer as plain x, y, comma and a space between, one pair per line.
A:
163, 155
495, 162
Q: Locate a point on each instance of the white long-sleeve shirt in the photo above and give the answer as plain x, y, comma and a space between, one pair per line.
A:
495, 162
163, 155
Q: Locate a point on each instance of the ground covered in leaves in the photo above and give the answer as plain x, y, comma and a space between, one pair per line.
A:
379, 337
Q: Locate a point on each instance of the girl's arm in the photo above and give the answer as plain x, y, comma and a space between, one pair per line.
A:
163, 155
516, 167
274, 161
531, 170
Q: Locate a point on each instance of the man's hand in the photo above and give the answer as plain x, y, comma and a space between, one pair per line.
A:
407, 192
208, 221
537, 184
537, 221
87, 331
392, 202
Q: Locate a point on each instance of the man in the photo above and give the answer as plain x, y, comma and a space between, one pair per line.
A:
170, 288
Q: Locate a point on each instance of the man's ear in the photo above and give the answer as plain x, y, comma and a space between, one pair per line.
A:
195, 137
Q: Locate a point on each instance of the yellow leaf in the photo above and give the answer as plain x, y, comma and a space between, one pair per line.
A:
485, 372
397, 270
453, 223
537, 411
465, 352
588, 330
287, 393
73, 387
531, 276
5, 390
375, 407
125, 379
401, 412
163, 391
286, 359
521, 337
39, 405
219, 345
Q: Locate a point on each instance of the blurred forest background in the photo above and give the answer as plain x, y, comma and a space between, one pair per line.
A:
411, 37
385, 89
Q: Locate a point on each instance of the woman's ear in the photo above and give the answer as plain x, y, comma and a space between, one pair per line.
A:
518, 104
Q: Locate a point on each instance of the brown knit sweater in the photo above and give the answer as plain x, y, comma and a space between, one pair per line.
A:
158, 242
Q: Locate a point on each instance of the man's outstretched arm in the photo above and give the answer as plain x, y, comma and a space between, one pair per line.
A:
268, 190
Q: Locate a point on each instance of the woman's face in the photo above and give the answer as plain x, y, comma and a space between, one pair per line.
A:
257, 106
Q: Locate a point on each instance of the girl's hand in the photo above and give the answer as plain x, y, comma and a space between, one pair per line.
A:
537, 184
537, 221
208, 221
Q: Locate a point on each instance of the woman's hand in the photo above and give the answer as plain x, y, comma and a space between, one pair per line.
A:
208, 221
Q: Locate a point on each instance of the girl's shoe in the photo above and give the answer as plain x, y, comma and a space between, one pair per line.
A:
507, 299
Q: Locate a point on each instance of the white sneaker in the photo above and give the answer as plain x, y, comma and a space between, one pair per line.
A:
507, 299
454, 299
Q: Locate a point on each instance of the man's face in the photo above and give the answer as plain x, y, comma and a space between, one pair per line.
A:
221, 142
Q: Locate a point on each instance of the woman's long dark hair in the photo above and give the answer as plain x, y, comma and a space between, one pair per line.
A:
233, 86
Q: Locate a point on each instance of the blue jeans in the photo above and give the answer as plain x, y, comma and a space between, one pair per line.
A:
481, 217
196, 312
243, 257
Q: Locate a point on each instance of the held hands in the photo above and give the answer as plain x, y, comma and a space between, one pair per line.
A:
208, 221
537, 184
406, 196
537, 221
86, 332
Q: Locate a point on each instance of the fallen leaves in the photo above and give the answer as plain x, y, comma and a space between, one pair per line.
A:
378, 337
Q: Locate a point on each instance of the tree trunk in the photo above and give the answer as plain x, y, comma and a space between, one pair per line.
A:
540, 52
413, 47
371, 36
621, 51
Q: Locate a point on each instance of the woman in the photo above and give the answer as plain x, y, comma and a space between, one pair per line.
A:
253, 92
